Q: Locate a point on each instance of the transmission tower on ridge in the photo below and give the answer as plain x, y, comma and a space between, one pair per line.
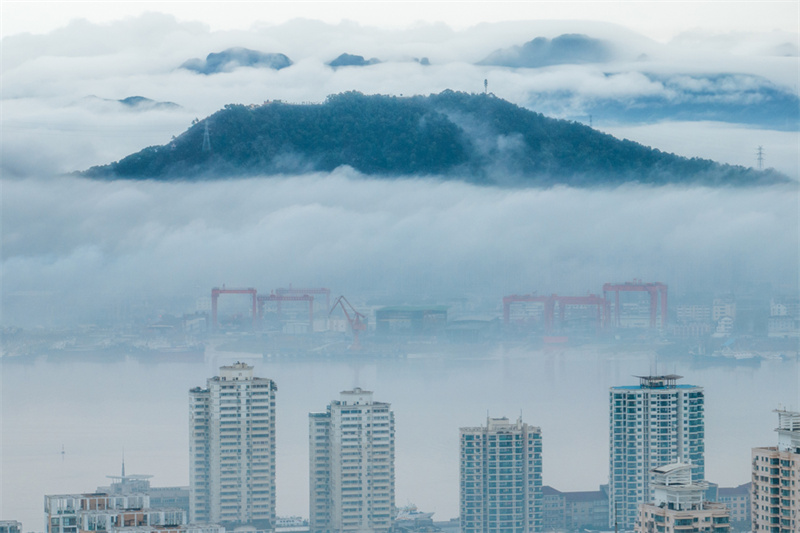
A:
206, 139
760, 158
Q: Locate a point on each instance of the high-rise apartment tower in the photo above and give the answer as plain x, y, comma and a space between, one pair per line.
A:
501, 478
351, 465
232, 449
775, 498
655, 423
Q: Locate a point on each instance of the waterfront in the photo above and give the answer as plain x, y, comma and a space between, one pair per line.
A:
95, 410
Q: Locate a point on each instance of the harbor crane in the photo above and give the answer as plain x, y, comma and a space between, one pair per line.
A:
358, 322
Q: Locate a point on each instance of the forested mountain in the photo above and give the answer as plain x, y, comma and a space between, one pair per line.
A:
478, 138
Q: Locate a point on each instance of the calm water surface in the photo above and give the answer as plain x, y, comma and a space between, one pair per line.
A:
95, 410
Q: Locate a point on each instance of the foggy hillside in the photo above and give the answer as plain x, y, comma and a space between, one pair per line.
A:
476, 137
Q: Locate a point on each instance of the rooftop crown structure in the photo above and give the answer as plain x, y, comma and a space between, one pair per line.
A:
679, 504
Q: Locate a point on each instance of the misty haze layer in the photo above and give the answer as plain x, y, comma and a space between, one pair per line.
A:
76, 249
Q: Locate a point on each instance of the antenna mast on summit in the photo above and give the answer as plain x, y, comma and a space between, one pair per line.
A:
760, 158
486, 86
206, 139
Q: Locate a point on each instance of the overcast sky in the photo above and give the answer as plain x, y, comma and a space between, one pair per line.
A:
660, 20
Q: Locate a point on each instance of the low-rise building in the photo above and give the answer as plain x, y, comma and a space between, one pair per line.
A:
738, 501
553, 506
128, 513
160, 497
10, 526
586, 510
574, 511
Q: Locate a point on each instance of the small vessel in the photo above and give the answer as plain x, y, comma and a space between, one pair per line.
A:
410, 513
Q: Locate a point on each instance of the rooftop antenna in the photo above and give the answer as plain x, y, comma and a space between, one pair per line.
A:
62, 452
206, 138
123, 461
486, 86
760, 157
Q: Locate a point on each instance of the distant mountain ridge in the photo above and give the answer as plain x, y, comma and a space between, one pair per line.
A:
138, 103
351, 60
569, 48
474, 137
232, 58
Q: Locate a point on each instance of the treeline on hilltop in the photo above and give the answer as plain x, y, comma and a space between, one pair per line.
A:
478, 138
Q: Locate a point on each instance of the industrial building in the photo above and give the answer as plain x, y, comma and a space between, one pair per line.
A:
232, 449
655, 423
351, 465
501, 478
411, 321
776, 474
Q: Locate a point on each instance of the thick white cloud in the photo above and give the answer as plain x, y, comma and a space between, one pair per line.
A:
76, 237
69, 237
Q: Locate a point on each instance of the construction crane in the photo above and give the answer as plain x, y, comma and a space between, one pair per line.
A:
358, 322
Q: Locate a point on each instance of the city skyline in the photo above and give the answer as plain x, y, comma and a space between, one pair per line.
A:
103, 280
452, 452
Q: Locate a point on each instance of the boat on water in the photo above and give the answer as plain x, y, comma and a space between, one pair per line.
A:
169, 353
410, 513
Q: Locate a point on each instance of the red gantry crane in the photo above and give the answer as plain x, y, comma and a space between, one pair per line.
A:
303, 292
278, 298
357, 321
216, 291
654, 290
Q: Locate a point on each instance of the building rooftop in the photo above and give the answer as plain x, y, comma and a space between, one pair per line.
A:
788, 420
413, 308
741, 490
586, 496
547, 490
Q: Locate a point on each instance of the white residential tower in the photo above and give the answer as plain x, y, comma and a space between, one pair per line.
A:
351, 470
501, 478
232, 449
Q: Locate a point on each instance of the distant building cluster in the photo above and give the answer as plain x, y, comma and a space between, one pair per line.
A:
656, 473
718, 318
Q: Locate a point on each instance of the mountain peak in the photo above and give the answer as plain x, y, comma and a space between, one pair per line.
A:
453, 135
